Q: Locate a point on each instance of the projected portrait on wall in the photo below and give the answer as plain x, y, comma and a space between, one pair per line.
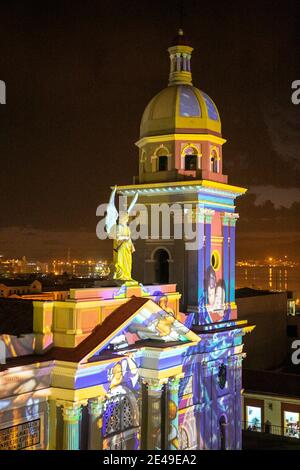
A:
215, 289
123, 376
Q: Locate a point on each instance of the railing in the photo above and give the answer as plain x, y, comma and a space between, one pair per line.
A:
291, 430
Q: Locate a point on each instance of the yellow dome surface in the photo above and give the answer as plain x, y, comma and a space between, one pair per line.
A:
180, 109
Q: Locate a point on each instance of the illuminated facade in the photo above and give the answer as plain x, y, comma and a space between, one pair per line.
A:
121, 367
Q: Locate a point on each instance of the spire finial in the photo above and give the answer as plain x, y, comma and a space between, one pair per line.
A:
180, 59
181, 17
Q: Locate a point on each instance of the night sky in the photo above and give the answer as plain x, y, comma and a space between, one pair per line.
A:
79, 75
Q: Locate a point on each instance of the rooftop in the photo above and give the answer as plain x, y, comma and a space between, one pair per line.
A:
249, 292
271, 383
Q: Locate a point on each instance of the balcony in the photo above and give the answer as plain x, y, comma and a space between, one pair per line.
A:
268, 436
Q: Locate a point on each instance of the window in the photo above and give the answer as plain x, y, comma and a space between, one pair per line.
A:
160, 159
222, 376
215, 260
118, 415
189, 105
211, 108
191, 162
291, 424
190, 156
214, 162
253, 418
163, 163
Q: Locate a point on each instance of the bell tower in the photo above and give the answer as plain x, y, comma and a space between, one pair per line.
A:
180, 132
182, 185
181, 165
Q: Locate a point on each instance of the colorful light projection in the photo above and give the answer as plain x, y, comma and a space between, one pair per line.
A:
215, 289
120, 422
216, 267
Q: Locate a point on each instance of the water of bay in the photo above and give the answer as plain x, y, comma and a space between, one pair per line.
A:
271, 278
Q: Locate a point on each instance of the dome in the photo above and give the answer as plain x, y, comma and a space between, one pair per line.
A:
180, 109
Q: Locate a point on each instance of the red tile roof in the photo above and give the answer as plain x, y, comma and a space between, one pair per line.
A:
116, 319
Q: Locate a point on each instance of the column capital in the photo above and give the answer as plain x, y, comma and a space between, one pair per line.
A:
225, 218
96, 406
237, 359
230, 218
154, 386
71, 410
206, 214
174, 382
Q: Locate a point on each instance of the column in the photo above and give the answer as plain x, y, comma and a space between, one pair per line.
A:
173, 404
95, 409
200, 262
209, 213
238, 401
233, 219
178, 62
71, 415
154, 413
172, 66
206, 429
225, 223
189, 63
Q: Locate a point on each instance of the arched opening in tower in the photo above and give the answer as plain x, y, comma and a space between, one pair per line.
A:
162, 163
161, 266
191, 162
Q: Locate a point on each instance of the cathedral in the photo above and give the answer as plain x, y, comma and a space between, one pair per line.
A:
155, 364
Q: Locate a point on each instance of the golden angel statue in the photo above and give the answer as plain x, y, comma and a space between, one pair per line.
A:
120, 232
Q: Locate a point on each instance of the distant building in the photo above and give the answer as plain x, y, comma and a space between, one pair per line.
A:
271, 397
9, 267
272, 403
268, 311
18, 287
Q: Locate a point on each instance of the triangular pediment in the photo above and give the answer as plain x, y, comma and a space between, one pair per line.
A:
142, 320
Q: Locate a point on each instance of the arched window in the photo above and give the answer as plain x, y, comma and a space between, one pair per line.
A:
161, 159
190, 158
161, 258
120, 424
191, 162
118, 415
162, 163
214, 162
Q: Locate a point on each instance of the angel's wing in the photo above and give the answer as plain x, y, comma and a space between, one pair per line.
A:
133, 203
111, 212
